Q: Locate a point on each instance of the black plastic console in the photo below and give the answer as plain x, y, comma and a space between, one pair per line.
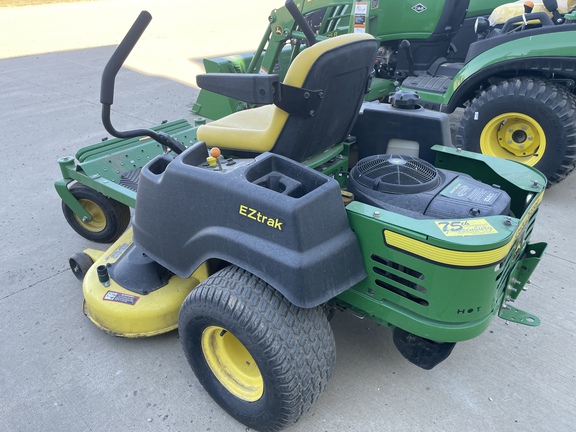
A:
274, 217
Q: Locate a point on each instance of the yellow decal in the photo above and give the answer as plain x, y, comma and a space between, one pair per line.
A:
446, 256
521, 229
463, 228
463, 258
255, 215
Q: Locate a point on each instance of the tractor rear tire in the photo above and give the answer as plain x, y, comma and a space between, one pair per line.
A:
262, 359
110, 218
523, 119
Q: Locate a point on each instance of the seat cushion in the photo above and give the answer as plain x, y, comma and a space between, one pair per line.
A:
251, 130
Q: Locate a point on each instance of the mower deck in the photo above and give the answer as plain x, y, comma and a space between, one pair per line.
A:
121, 312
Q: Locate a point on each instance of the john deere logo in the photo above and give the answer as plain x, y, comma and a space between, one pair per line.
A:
419, 8
278, 31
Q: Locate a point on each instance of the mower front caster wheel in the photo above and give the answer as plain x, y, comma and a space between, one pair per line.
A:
80, 263
262, 359
110, 218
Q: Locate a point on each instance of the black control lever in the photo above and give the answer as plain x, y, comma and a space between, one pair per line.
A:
552, 7
107, 86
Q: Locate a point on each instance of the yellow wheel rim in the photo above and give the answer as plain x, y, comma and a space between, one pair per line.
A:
514, 136
98, 222
232, 364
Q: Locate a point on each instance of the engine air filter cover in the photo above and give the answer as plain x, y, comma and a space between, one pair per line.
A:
396, 174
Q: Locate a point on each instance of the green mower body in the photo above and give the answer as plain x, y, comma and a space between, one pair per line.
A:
441, 279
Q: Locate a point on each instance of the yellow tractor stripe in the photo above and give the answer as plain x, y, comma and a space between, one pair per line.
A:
446, 256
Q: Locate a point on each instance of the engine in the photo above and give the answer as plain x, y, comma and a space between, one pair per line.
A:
415, 188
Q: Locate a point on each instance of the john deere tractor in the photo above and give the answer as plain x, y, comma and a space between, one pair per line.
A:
251, 231
514, 74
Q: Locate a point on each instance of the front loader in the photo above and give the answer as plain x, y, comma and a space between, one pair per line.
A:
250, 232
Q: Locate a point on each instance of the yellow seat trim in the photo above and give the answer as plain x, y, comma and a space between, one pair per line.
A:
509, 10
258, 129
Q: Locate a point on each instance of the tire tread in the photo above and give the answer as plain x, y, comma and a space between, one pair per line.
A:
298, 342
557, 99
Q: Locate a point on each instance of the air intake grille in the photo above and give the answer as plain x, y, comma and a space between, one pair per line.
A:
396, 174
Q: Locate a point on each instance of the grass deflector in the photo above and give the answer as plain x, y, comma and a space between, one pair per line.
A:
251, 231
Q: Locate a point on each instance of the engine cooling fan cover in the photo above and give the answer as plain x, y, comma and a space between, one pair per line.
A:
396, 174
413, 187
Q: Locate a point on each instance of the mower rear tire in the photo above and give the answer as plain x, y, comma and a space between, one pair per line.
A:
262, 359
110, 218
523, 119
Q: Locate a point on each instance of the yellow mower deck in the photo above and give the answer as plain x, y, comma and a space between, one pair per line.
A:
124, 313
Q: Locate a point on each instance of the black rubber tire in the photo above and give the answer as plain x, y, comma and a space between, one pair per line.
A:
114, 217
294, 348
550, 107
80, 263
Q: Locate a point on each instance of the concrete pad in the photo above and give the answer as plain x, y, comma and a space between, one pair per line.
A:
180, 35
58, 372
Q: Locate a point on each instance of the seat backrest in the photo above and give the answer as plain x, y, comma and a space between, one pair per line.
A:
341, 68
451, 19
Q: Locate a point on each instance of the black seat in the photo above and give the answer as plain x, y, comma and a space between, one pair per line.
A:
337, 71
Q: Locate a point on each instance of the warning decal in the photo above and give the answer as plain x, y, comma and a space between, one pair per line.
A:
121, 298
471, 227
360, 11
119, 251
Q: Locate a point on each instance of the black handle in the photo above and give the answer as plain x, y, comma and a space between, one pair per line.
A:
551, 5
301, 21
120, 55
107, 87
